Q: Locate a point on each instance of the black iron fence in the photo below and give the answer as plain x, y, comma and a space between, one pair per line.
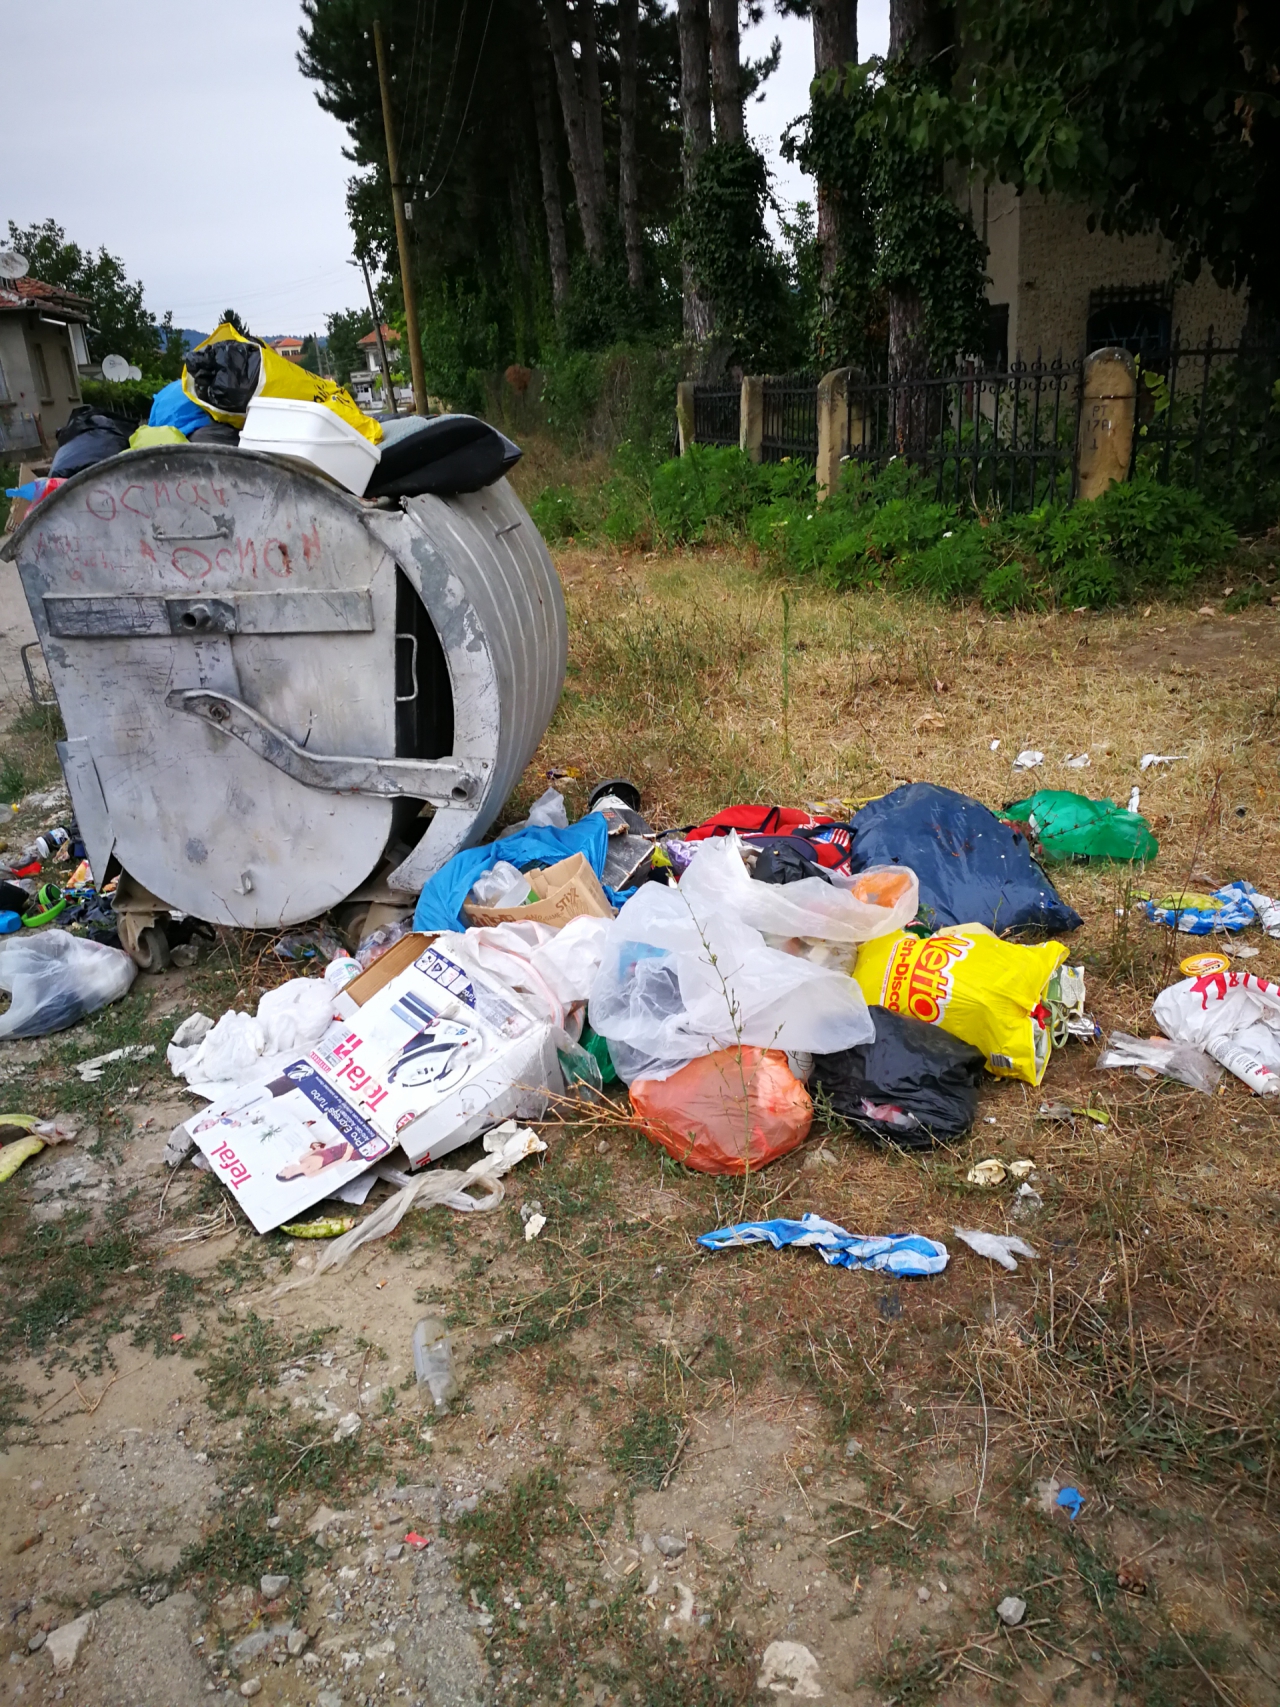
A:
790, 423
1209, 417
1004, 438
716, 414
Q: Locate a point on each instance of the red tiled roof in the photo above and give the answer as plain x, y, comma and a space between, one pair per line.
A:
388, 332
34, 293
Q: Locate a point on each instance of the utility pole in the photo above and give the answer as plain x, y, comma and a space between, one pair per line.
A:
389, 389
402, 232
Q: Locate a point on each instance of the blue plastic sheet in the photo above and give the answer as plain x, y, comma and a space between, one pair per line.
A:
907, 1254
1072, 1502
973, 869
440, 903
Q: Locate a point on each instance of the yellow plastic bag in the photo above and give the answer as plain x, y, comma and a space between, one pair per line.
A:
256, 370
147, 438
980, 989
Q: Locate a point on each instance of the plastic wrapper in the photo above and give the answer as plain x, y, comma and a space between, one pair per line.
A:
682, 975
971, 867
1180, 1061
1232, 1016
733, 1112
987, 992
909, 1255
912, 1085
55, 979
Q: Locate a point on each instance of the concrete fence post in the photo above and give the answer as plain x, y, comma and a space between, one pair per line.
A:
1108, 403
684, 415
833, 427
751, 418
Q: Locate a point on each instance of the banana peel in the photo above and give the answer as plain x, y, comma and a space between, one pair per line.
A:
12, 1156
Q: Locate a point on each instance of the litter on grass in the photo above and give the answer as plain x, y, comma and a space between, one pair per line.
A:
1000, 1247
908, 1254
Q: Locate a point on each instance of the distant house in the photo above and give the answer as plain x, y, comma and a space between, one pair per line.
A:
1056, 288
289, 348
366, 382
42, 350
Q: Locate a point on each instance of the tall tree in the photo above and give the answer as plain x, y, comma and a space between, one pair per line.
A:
726, 70
919, 37
628, 166
549, 167
693, 24
835, 45
583, 129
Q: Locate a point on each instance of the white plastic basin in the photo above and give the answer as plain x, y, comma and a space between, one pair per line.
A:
311, 433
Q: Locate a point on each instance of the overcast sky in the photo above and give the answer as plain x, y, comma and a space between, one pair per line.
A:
184, 137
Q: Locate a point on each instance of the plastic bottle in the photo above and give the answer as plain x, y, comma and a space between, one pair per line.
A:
433, 1360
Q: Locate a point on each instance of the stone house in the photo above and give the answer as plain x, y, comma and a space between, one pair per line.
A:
42, 350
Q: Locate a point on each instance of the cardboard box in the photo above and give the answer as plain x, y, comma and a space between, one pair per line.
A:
567, 890
438, 1054
386, 967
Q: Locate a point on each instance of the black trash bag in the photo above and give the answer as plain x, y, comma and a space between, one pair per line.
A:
215, 433
443, 455
89, 436
224, 376
914, 1085
973, 869
784, 859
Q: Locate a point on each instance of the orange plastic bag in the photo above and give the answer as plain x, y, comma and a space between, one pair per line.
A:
727, 1112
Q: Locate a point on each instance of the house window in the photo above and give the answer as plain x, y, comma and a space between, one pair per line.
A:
995, 343
79, 348
1137, 318
73, 385
6, 395
41, 368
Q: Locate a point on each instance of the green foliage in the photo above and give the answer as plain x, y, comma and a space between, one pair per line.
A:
1220, 433
622, 396
899, 228
644, 1448
345, 330
734, 261
128, 397
888, 527
120, 324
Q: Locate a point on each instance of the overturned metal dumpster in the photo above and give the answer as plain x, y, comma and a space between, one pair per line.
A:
272, 689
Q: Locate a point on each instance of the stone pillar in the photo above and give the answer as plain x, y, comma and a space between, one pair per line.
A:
833, 427
1108, 401
751, 419
684, 414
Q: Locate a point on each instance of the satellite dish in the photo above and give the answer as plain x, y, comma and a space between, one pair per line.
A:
12, 264
134, 372
115, 368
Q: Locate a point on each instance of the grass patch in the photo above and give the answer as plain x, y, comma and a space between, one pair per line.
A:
249, 1361
240, 1548
644, 1449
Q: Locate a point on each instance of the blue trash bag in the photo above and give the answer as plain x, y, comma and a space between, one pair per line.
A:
171, 407
440, 903
973, 869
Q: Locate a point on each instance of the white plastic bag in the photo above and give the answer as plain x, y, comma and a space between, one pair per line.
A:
549, 971
548, 812
1232, 1016
295, 1016
806, 912
503, 885
56, 979
681, 975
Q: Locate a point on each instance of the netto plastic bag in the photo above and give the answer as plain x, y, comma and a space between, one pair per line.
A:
1068, 826
912, 1085
56, 979
971, 867
729, 1113
988, 992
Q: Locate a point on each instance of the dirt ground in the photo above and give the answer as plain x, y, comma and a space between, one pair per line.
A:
669, 1476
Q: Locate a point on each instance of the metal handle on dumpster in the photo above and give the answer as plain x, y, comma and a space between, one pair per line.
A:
441, 782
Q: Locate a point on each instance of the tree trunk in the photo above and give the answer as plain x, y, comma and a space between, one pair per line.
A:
835, 44
590, 209
628, 177
553, 206
919, 30
592, 110
693, 29
726, 70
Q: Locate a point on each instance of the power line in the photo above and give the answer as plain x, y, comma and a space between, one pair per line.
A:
466, 110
